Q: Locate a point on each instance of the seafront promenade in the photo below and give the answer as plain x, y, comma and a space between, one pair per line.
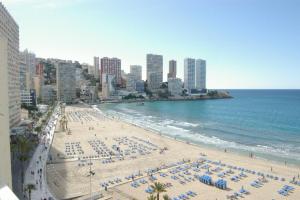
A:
36, 171
101, 156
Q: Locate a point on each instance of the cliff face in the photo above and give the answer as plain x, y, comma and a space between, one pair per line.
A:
218, 94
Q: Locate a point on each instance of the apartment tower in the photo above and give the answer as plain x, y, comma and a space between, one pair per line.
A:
96, 68
66, 82
172, 69
111, 66
154, 71
10, 108
136, 70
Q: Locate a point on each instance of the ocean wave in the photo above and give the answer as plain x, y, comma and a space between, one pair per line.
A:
173, 128
177, 128
187, 124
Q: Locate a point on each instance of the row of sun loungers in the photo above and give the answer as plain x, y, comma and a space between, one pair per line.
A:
111, 182
185, 172
73, 148
186, 195
285, 190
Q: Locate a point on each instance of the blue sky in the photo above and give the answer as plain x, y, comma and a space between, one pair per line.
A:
247, 43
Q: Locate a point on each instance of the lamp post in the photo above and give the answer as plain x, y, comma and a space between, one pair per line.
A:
91, 173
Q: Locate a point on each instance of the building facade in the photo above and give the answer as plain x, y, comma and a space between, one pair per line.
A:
130, 82
111, 66
189, 74
108, 85
9, 31
96, 68
136, 70
194, 75
175, 86
24, 75
8, 113
26, 97
140, 86
66, 82
154, 71
30, 61
48, 94
172, 69
200, 74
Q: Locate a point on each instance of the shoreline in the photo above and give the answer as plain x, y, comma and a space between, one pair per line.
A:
204, 146
145, 151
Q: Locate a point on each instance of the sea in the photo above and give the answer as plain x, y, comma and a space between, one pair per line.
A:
263, 122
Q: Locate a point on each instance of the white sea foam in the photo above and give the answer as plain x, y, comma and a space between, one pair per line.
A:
170, 128
187, 124
177, 128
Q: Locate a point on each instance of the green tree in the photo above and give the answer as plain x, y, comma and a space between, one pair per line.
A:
38, 129
29, 189
158, 188
166, 197
24, 146
13, 149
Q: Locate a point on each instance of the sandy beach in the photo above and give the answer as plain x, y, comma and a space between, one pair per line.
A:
117, 160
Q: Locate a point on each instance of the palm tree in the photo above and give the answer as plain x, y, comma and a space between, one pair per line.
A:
158, 188
13, 149
166, 197
151, 197
29, 188
24, 147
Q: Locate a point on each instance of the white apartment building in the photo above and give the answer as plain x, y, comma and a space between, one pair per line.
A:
194, 74
175, 86
24, 75
66, 82
136, 70
154, 71
108, 85
189, 74
200, 74
29, 59
10, 114
130, 82
9, 32
96, 68
26, 97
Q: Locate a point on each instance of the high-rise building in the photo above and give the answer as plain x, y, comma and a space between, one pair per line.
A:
39, 70
9, 31
172, 69
189, 74
130, 82
66, 82
30, 61
48, 94
108, 85
10, 108
154, 71
24, 75
194, 74
37, 85
96, 68
111, 66
136, 70
200, 74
